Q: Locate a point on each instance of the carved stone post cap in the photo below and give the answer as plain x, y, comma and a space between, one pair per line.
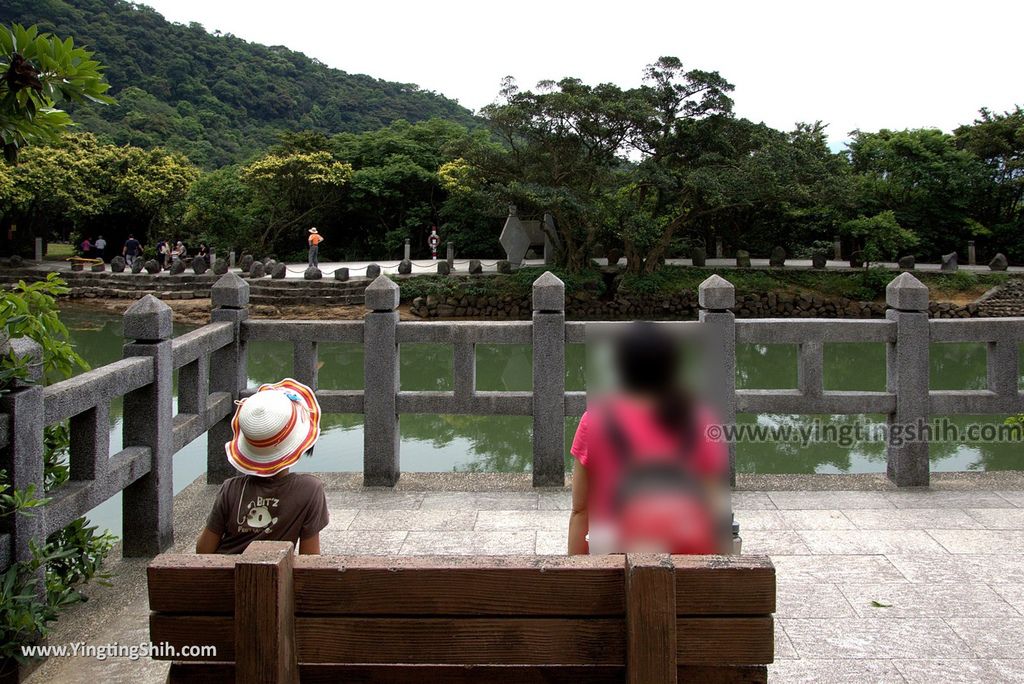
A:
906, 293
382, 294
548, 293
230, 292
716, 294
148, 319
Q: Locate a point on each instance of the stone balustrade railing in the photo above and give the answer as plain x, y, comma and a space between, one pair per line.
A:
211, 363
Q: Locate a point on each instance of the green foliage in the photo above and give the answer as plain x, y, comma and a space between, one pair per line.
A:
517, 285
41, 71
216, 98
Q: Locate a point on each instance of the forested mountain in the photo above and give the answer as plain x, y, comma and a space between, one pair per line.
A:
216, 98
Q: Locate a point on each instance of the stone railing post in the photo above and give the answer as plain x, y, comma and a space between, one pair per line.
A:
148, 509
906, 362
716, 296
381, 463
548, 381
22, 458
228, 368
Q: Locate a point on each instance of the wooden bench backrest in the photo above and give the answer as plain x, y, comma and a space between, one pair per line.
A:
640, 618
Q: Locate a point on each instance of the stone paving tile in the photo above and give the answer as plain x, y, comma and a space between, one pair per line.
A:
783, 646
915, 519
980, 541
926, 600
522, 520
374, 498
829, 500
552, 543
361, 542
962, 671
430, 519
811, 601
805, 671
554, 501
839, 568
945, 499
755, 519
944, 567
870, 541
817, 520
1012, 594
874, 638
1016, 498
481, 501
999, 518
745, 500
341, 518
772, 542
991, 637
493, 543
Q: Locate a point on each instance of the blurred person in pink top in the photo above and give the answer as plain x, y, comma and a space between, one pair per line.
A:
647, 477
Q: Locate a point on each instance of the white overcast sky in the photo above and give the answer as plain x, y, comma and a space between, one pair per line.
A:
864, 64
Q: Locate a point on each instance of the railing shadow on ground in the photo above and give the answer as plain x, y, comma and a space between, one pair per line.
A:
211, 363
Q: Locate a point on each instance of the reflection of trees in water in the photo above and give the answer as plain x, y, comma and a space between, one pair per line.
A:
956, 365
794, 457
498, 443
765, 366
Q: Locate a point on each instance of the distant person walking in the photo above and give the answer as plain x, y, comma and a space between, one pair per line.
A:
101, 248
315, 238
86, 248
131, 250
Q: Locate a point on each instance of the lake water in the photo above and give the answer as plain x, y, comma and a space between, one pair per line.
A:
503, 443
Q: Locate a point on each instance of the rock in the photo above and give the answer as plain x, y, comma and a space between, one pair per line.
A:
16, 261
372, 271
475, 267
999, 262
949, 262
613, 256
137, 266
200, 265
742, 258
177, 267
220, 266
341, 274
906, 263
77, 266
443, 268
819, 259
777, 258
256, 270
268, 265
280, 271
117, 264
245, 263
99, 268
404, 267
152, 266
699, 256
857, 260
312, 273
504, 266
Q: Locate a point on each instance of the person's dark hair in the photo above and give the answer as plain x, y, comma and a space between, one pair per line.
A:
648, 363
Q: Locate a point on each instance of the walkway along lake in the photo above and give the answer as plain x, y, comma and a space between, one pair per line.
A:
503, 443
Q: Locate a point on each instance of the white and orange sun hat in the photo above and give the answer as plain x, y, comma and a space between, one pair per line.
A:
273, 428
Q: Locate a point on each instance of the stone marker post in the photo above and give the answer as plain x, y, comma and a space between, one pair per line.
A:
716, 296
971, 255
408, 250
451, 255
381, 462
228, 369
837, 248
907, 377
231, 259
148, 509
39, 249
548, 381
719, 251
22, 458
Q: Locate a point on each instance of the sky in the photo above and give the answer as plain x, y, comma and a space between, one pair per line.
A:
854, 65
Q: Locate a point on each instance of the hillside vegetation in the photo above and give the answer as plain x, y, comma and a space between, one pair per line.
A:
216, 98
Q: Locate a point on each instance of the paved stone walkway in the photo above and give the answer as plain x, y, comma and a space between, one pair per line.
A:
874, 585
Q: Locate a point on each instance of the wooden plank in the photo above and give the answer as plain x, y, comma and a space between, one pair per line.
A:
724, 585
218, 673
265, 615
416, 641
726, 640
650, 619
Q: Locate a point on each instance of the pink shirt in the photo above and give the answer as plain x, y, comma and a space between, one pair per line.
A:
593, 448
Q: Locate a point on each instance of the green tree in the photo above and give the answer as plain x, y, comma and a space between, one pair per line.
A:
41, 72
881, 236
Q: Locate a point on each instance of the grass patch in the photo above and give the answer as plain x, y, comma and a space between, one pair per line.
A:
59, 251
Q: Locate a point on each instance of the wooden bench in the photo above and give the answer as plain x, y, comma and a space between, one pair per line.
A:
641, 618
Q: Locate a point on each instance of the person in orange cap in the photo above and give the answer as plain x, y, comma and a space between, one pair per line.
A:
272, 429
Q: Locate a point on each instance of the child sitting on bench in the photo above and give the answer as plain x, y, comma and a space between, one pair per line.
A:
272, 429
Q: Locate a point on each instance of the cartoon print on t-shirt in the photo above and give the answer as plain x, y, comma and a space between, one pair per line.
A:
258, 516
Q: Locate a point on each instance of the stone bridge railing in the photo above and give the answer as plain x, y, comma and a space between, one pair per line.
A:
211, 365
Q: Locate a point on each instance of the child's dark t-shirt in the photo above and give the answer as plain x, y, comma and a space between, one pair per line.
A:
249, 508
